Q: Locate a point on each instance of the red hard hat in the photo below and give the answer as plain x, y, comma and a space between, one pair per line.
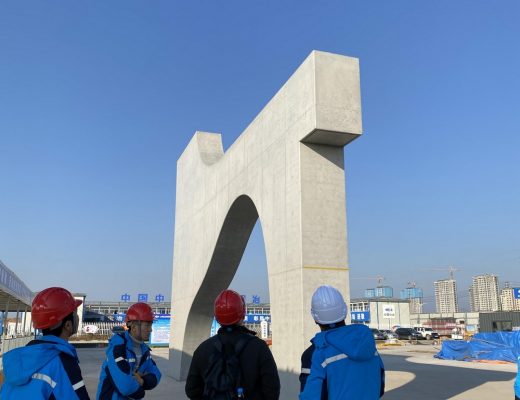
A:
229, 308
139, 312
51, 305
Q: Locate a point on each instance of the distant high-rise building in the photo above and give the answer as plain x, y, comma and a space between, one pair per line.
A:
483, 293
446, 296
411, 293
416, 305
380, 291
415, 296
508, 301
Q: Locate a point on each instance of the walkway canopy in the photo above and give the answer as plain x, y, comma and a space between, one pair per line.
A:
14, 294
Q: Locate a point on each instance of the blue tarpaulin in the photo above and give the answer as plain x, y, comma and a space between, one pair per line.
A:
500, 346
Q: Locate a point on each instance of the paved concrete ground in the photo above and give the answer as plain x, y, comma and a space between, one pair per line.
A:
412, 373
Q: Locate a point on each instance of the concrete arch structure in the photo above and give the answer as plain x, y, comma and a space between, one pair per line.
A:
287, 169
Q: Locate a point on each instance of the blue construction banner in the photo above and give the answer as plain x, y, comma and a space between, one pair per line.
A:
360, 316
516, 293
161, 330
256, 318
119, 317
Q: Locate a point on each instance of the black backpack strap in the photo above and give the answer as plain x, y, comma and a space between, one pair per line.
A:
224, 350
239, 348
242, 343
218, 349
218, 343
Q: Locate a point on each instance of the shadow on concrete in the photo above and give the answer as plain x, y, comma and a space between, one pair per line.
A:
430, 381
434, 382
225, 260
421, 381
169, 388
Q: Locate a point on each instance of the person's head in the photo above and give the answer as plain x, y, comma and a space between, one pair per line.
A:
54, 312
139, 320
230, 308
328, 308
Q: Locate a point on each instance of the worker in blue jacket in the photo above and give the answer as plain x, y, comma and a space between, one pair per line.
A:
345, 363
129, 369
517, 380
47, 368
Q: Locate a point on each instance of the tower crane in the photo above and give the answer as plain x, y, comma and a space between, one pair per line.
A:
379, 278
449, 269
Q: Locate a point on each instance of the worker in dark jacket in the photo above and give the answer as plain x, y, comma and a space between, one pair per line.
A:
129, 369
257, 370
306, 370
342, 355
47, 368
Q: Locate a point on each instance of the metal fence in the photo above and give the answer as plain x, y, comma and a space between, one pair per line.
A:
104, 330
9, 344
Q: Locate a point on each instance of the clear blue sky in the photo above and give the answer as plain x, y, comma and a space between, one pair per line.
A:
98, 99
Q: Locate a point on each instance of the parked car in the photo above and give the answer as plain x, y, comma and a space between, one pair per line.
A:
377, 334
427, 333
388, 333
91, 316
407, 334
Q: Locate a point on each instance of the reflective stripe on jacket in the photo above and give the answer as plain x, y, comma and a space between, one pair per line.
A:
116, 381
346, 361
47, 368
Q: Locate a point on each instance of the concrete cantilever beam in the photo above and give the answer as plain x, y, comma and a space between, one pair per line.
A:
286, 168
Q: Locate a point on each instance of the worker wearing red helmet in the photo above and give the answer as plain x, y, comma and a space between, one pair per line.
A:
129, 369
256, 376
47, 368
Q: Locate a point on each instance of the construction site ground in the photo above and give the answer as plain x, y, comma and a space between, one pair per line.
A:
411, 373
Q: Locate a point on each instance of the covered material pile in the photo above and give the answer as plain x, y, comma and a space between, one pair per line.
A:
498, 346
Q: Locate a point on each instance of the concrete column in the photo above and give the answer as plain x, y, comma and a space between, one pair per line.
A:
287, 170
17, 314
6, 313
24, 320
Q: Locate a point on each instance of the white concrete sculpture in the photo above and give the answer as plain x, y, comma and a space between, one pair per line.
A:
287, 169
